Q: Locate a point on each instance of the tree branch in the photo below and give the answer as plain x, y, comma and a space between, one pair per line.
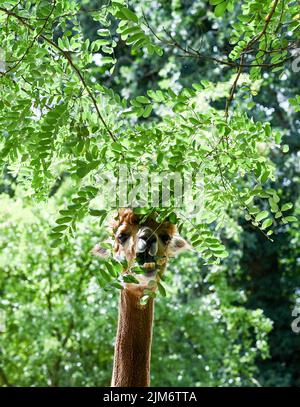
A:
193, 53
66, 55
267, 22
248, 46
32, 42
233, 89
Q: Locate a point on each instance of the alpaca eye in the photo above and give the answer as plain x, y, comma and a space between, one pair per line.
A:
165, 238
123, 237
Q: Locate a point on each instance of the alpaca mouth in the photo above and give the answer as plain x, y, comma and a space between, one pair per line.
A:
150, 268
149, 265
152, 265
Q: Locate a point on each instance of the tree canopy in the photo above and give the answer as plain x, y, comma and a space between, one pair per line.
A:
206, 89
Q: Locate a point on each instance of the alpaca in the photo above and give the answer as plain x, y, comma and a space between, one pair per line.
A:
150, 244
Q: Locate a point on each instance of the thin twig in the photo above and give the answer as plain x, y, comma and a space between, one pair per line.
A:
190, 52
264, 30
233, 89
32, 42
66, 55
248, 46
78, 12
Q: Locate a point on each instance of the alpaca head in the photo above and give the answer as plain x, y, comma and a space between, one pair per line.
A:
145, 242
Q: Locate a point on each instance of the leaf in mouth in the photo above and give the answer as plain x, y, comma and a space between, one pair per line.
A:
129, 278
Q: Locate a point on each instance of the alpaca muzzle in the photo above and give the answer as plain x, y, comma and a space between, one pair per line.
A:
146, 249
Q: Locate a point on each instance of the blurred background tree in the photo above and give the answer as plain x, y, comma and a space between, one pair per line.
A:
220, 325
60, 325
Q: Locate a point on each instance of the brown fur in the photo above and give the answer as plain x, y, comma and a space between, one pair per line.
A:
133, 342
128, 222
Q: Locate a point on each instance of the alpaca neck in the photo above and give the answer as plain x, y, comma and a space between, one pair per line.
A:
133, 342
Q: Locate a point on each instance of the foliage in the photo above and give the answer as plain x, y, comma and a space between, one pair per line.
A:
67, 118
58, 324
190, 86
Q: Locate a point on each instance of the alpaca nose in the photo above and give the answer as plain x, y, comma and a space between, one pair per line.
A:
147, 244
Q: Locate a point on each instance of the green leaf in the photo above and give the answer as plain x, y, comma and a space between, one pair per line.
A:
97, 212
83, 171
142, 99
131, 30
286, 207
55, 243
103, 32
249, 200
117, 147
265, 176
60, 228
117, 285
160, 157
151, 293
110, 268
278, 138
194, 121
220, 9
129, 278
159, 51
285, 148
261, 215
136, 37
266, 224
139, 44
129, 14
66, 212
268, 130
221, 254
105, 275
137, 270
161, 289
118, 267
61, 221
147, 111
290, 219
173, 218
144, 300
56, 235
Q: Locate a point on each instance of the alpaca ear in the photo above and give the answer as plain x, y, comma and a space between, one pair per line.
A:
99, 251
177, 245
